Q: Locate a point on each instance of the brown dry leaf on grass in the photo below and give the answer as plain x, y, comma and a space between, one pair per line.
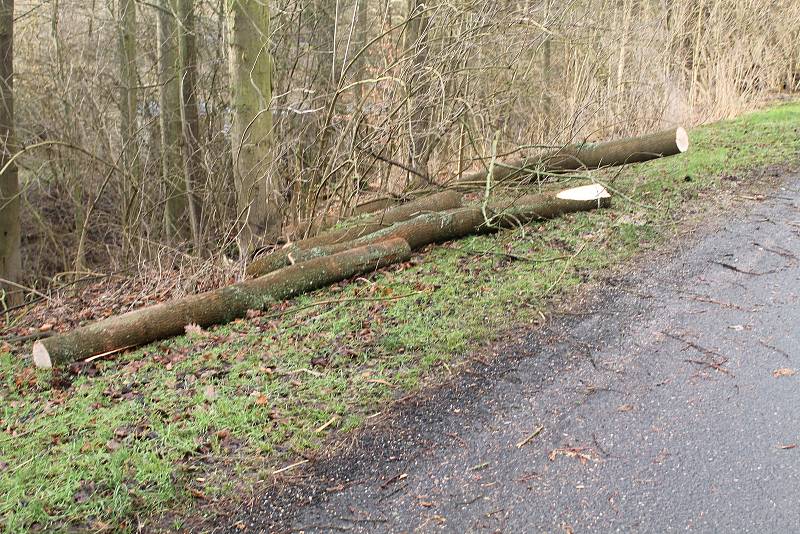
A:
193, 329
784, 371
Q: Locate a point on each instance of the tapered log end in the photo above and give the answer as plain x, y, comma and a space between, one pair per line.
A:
585, 192
41, 358
681, 139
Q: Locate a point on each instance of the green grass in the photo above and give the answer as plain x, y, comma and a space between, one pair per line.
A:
192, 417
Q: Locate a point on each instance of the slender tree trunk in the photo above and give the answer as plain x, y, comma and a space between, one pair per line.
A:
259, 192
10, 257
190, 120
324, 41
128, 103
362, 25
176, 221
417, 43
547, 55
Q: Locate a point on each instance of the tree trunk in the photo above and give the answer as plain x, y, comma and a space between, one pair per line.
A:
190, 120
456, 223
259, 193
10, 256
213, 307
128, 106
416, 43
587, 156
362, 25
176, 221
277, 259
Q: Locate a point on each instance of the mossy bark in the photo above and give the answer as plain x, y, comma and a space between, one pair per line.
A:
128, 107
444, 200
10, 257
176, 221
214, 307
190, 118
258, 190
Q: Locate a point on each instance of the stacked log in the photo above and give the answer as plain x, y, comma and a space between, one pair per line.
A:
443, 226
370, 245
280, 258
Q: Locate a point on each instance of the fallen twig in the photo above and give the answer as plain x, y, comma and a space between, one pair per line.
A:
288, 467
530, 437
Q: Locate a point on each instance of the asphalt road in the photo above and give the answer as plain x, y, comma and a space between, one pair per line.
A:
666, 402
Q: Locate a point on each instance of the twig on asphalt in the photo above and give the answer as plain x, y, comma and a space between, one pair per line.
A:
530, 437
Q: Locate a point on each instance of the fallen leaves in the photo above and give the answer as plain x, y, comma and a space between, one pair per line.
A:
783, 371
625, 408
788, 446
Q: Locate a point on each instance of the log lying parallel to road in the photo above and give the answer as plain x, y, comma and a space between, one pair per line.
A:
453, 224
214, 307
587, 156
278, 259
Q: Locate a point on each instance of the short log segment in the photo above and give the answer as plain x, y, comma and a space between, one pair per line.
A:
453, 224
280, 258
586, 156
214, 307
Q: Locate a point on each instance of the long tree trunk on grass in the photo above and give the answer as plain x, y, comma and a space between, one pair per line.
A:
10, 258
259, 193
214, 307
586, 156
456, 223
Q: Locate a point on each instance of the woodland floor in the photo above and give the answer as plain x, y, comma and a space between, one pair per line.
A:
186, 424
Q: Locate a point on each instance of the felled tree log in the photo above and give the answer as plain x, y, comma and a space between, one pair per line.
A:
452, 224
587, 156
278, 259
213, 307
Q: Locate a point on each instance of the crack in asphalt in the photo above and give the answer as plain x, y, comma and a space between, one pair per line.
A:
666, 404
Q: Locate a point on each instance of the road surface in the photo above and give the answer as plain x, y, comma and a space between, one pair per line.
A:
666, 402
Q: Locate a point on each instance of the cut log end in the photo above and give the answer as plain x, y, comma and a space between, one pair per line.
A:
585, 192
681, 139
41, 358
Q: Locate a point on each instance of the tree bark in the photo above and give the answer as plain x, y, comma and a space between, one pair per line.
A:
149, 324
10, 255
277, 259
259, 193
128, 106
190, 120
417, 42
586, 156
456, 223
176, 221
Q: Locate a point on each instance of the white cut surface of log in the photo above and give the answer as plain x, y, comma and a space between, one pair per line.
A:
585, 192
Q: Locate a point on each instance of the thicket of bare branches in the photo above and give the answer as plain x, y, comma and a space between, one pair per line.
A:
369, 97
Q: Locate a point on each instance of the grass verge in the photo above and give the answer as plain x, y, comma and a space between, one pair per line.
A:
188, 419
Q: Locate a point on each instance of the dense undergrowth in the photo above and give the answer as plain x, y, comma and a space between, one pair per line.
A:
186, 420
